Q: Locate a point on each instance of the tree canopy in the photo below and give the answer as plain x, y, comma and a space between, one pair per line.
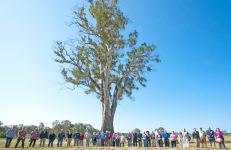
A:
104, 60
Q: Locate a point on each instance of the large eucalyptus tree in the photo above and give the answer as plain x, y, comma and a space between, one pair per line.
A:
103, 59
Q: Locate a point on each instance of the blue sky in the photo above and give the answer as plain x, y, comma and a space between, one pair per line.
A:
191, 87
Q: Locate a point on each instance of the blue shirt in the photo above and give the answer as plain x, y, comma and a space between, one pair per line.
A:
210, 134
105, 135
10, 133
165, 135
61, 136
98, 135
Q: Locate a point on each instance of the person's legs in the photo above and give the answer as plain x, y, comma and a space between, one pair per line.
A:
7, 142
52, 141
223, 142
40, 142
205, 141
30, 142
70, 139
49, 143
34, 141
43, 142
58, 144
23, 141
61, 142
198, 143
18, 140
75, 142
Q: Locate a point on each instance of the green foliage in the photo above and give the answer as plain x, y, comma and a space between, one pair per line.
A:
2, 135
103, 57
67, 125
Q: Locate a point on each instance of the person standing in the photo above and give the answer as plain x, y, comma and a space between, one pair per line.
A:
87, 137
144, 136
69, 138
173, 138
51, 139
61, 137
98, 137
196, 137
139, 139
202, 135
117, 140
94, 139
122, 140
105, 137
186, 139
129, 139
166, 138
43, 136
110, 138
211, 138
134, 139
102, 138
114, 139
76, 138
180, 139
148, 138
9, 136
33, 137
21, 137
153, 139
81, 138
219, 135
159, 139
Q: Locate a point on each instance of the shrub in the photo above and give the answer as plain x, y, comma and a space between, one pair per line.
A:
2, 134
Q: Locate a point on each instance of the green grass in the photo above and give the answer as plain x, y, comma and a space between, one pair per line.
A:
2, 142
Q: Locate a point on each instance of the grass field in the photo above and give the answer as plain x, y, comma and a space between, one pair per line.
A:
2, 142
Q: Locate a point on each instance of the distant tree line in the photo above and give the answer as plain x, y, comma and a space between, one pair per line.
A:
57, 125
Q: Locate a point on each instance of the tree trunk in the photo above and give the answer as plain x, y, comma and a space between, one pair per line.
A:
107, 119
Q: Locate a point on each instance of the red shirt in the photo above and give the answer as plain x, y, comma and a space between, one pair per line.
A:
81, 136
110, 136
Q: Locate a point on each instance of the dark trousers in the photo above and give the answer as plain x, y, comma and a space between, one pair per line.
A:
113, 143
160, 143
121, 144
166, 142
8, 141
173, 143
140, 143
60, 143
134, 142
18, 140
50, 143
149, 142
32, 141
102, 142
145, 143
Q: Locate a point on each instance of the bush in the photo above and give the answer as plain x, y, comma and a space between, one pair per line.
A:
2, 135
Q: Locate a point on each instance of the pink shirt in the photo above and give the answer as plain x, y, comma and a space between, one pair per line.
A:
218, 134
110, 136
173, 137
34, 135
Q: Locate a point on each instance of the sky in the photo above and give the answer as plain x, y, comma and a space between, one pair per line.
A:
190, 88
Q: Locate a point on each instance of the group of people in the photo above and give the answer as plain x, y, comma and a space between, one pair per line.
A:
146, 139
